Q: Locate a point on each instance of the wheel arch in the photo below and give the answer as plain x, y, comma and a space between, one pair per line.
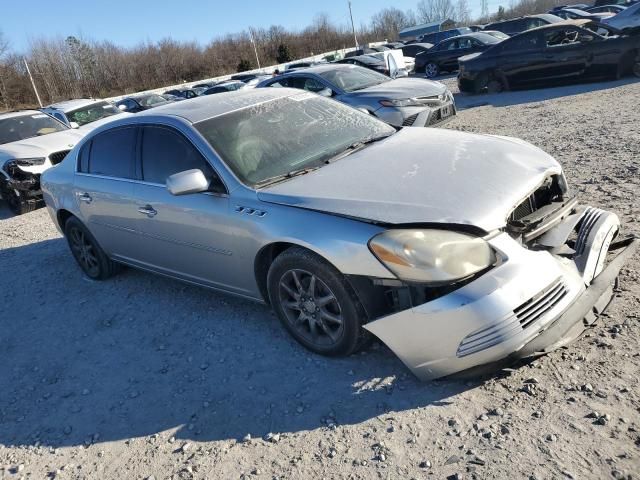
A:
62, 216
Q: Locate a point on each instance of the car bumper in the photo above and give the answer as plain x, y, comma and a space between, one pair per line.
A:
417, 116
532, 302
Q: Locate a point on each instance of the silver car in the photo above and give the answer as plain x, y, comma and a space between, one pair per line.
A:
454, 249
401, 102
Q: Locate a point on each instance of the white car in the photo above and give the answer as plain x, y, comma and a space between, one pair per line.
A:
628, 18
85, 113
30, 143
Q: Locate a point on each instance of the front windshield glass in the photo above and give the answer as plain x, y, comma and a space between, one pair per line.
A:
353, 78
286, 135
19, 127
92, 112
151, 100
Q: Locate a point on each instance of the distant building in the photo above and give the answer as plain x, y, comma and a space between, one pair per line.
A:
410, 33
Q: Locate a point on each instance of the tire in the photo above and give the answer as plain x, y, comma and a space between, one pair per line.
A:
431, 70
480, 83
85, 249
328, 320
495, 85
17, 203
635, 69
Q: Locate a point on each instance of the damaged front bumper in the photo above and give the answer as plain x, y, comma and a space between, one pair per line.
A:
533, 301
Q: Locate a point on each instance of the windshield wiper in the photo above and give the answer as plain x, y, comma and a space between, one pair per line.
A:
355, 146
285, 176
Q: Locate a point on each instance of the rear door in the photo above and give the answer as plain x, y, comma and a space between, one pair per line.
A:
522, 58
103, 190
188, 236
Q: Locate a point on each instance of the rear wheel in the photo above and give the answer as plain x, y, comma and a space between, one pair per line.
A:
495, 85
316, 304
85, 249
431, 70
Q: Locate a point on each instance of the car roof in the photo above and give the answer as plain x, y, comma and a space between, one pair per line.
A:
420, 44
68, 105
369, 59
565, 23
209, 106
18, 113
477, 35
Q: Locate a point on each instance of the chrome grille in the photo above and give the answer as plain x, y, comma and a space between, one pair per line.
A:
525, 208
536, 308
489, 336
57, 157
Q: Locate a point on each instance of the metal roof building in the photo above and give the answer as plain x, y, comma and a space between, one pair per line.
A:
417, 30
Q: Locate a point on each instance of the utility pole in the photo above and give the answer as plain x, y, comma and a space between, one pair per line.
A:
355, 39
253, 42
33, 84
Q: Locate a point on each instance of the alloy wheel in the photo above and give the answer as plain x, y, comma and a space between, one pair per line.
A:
84, 252
310, 307
431, 70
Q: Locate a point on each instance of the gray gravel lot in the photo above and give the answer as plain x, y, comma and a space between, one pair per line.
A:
144, 377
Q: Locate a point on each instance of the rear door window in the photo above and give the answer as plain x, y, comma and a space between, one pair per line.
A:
112, 153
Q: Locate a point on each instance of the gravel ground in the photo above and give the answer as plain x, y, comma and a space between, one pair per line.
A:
144, 377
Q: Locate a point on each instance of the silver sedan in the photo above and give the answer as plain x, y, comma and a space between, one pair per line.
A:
454, 249
401, 102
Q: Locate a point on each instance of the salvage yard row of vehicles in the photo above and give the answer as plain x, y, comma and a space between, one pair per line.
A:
32, 141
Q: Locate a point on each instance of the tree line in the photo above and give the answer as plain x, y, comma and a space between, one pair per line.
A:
73, 67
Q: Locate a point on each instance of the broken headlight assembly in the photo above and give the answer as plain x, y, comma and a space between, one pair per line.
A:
29, 162
433, 257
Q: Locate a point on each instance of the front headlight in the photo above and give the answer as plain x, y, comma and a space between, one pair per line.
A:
29, 162
407, 102
431, 256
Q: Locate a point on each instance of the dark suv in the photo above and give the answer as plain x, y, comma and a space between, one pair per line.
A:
518, 25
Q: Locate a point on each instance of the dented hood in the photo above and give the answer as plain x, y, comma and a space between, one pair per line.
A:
424, 176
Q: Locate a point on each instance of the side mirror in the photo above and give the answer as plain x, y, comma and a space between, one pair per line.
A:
74, 125
325, 92
122, 107
189, 181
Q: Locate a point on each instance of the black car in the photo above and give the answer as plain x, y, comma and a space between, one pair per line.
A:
522, 24
414, 49
185, 93
565, 52
443, 57
141, 102
624, 3
367, 61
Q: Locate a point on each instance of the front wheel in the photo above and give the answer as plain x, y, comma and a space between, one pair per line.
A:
315, 303
431, 70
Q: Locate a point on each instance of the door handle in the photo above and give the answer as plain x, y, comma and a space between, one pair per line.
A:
148, 210
85, 197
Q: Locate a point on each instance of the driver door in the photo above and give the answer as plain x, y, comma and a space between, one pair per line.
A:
187, 236
565, 54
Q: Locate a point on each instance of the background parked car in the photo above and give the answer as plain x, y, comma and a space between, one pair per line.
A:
185, 93
606, 9
83, 111
559, 52
522, 24
629, 18
230, 86
367, 61
443, 57
576, 14
30, 142
138, 103
496, 33
437, 37
399, 102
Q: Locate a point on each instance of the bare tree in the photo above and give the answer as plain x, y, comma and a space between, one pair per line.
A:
484, 9
388, 22
435, 10
463, 12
